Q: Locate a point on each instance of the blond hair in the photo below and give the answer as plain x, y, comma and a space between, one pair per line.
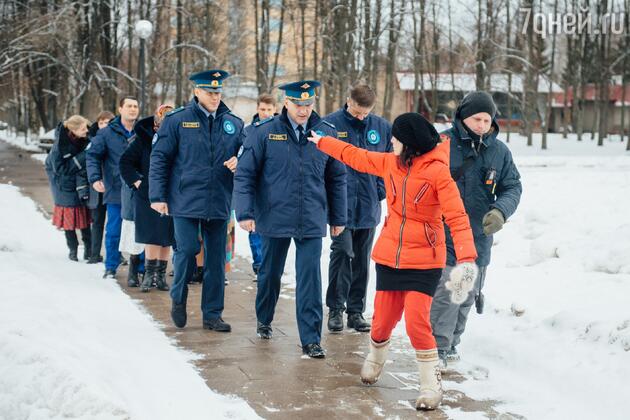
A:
76, 122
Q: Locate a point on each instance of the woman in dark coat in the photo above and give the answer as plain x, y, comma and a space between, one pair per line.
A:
65, 167
152, 229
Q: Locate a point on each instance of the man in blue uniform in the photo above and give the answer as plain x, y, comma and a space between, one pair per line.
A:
191, 178
348, 271
287, 189
102, 158
265, 108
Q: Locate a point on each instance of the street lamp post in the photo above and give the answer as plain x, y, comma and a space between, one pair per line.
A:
143, 29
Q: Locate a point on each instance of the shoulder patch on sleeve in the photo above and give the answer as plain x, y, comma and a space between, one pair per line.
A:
261, 122
175, 111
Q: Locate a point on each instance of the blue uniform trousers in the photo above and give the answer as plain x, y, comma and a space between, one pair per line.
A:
112, 237
308, 288
214, 234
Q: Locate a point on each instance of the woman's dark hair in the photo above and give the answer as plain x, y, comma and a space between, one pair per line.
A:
408, 154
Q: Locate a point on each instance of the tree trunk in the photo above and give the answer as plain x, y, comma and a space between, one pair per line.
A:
604, 76
390, 68
548, 111
179, 74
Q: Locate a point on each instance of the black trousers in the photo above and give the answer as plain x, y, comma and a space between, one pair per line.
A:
73, 241
349, 269
98, 223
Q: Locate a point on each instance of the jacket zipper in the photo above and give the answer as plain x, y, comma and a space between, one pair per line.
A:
421, 193
404, 216
428, 231
391, 180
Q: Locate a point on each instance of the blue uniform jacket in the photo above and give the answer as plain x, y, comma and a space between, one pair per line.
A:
479, 197
103, 155
365, 191
288, 187
186, 169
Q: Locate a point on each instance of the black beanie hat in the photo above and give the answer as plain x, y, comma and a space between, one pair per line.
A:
474, 103
413, 130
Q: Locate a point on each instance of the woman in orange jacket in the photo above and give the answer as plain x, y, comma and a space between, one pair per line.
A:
410, 252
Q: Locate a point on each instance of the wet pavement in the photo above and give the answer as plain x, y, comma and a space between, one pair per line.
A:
272, 375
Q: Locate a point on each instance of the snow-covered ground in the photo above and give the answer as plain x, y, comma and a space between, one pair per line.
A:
75, 346
19, 140
564, 258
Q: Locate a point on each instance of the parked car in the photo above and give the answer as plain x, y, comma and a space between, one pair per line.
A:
46, 140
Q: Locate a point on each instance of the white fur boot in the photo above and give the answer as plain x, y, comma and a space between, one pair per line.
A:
373, 365
461, 281
430, 380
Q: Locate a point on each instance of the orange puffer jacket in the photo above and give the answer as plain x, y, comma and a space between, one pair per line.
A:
417, 199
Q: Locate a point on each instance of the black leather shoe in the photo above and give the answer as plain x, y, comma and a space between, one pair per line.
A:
178, 314
264, 331
359, 323
197, 276
72, 255
95, 259
335, 321
314, 351
109, 274
216, 324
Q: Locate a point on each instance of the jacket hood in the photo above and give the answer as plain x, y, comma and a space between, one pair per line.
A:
116, 125
93, 129
65, 145
440, 153
144, 128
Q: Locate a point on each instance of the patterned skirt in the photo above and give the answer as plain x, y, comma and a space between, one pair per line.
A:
71, 218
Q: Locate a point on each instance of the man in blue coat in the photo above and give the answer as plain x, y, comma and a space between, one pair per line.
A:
348, 271
265, 108
490, 187
287, 189
103, 155
190, 178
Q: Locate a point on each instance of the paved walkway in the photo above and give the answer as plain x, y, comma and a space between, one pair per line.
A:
272, 375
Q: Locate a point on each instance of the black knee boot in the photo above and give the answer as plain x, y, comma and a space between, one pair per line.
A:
86, 236
132, 274
150, 272
160, 278
73, 244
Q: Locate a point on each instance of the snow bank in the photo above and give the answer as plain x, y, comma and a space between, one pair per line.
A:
73, 345
19, 140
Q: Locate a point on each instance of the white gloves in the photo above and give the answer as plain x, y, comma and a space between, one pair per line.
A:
462, 281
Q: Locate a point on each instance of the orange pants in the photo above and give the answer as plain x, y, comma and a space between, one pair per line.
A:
388, 310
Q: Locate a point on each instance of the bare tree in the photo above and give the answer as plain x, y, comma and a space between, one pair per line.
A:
394, 24
548, 111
